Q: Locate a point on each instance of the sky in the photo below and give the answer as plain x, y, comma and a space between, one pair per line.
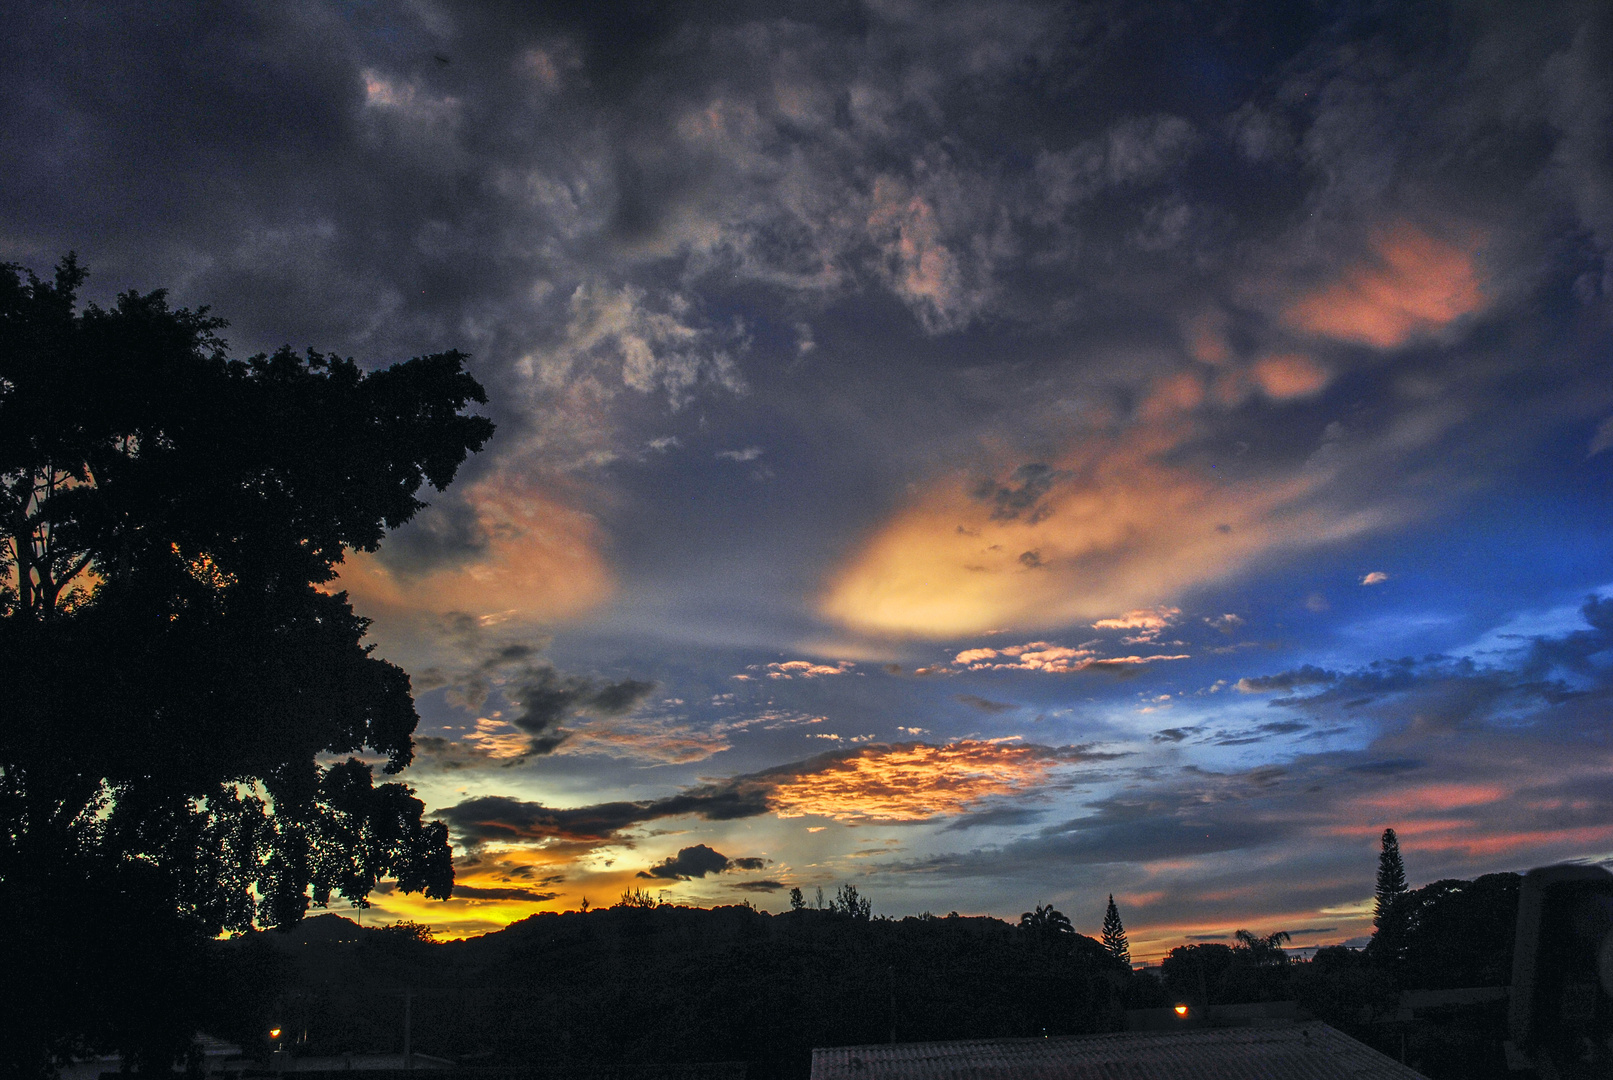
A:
987, 453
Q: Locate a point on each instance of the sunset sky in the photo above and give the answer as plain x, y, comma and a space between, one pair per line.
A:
992, 454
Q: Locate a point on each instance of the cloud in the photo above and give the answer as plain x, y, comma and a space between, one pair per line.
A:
1292, 375
883, 782
919, 781
474, 892
1376, 577
516, 549
762, 885
1149, 623
1132, 532
985, 705
1153, 620
803, 669
546, 698
1602, 439
1412, 284
996, 817
1308, 675
1053, 659
750, 453
689, 862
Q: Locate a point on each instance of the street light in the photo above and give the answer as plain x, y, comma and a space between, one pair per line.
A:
1181, 1010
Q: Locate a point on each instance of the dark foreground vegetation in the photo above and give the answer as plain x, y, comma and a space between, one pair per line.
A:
666, 985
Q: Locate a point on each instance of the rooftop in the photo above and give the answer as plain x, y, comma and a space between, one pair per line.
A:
1308, 1051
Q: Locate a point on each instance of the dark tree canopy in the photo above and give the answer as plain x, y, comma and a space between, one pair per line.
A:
181, 693
1048, 920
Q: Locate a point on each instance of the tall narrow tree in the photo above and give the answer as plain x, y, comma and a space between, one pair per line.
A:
1391, 913
1114, 933
1391, 878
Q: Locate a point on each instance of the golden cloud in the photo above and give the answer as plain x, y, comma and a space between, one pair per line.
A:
1120, 530
541, 560
918, 781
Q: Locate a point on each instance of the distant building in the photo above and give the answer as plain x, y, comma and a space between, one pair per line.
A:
1299, 1051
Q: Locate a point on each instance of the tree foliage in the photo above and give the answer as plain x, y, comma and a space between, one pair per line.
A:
849, 903
182, 696
1047, 920
1391, 878
1114, 933
1388, 913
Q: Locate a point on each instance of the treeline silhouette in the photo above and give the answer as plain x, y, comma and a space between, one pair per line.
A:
640, 984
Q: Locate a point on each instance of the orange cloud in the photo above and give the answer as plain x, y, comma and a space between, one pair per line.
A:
541, 560
1290, 376
1414, 284
1182, 392
1120, 529
1443, 796
918, 781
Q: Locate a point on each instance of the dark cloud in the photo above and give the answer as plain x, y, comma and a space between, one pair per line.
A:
1287, 680
689, 862
1021, 495
1174, 734
985, 705
1260, 733
765, 885
750, 862
546, 698
997, 816
474, 892
499, 818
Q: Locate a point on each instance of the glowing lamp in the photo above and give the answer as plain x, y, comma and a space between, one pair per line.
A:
1181, 1010
274, 1033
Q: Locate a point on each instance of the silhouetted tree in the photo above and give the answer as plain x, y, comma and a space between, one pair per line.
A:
1262, 951
1391, 878
797, 901
637, 898
848, 902
1114, 933
174, 671
1194, 972
1046, 920
1389, 912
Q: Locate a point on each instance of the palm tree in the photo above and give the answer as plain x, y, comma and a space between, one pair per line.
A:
1264, 951
1046, 920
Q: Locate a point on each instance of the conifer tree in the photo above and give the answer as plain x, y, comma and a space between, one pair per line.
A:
1114, 934
1391, 878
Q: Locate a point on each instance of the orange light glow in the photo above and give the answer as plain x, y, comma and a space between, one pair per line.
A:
1181, 1010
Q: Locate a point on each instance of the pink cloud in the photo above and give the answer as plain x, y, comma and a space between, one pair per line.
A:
1412, 285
